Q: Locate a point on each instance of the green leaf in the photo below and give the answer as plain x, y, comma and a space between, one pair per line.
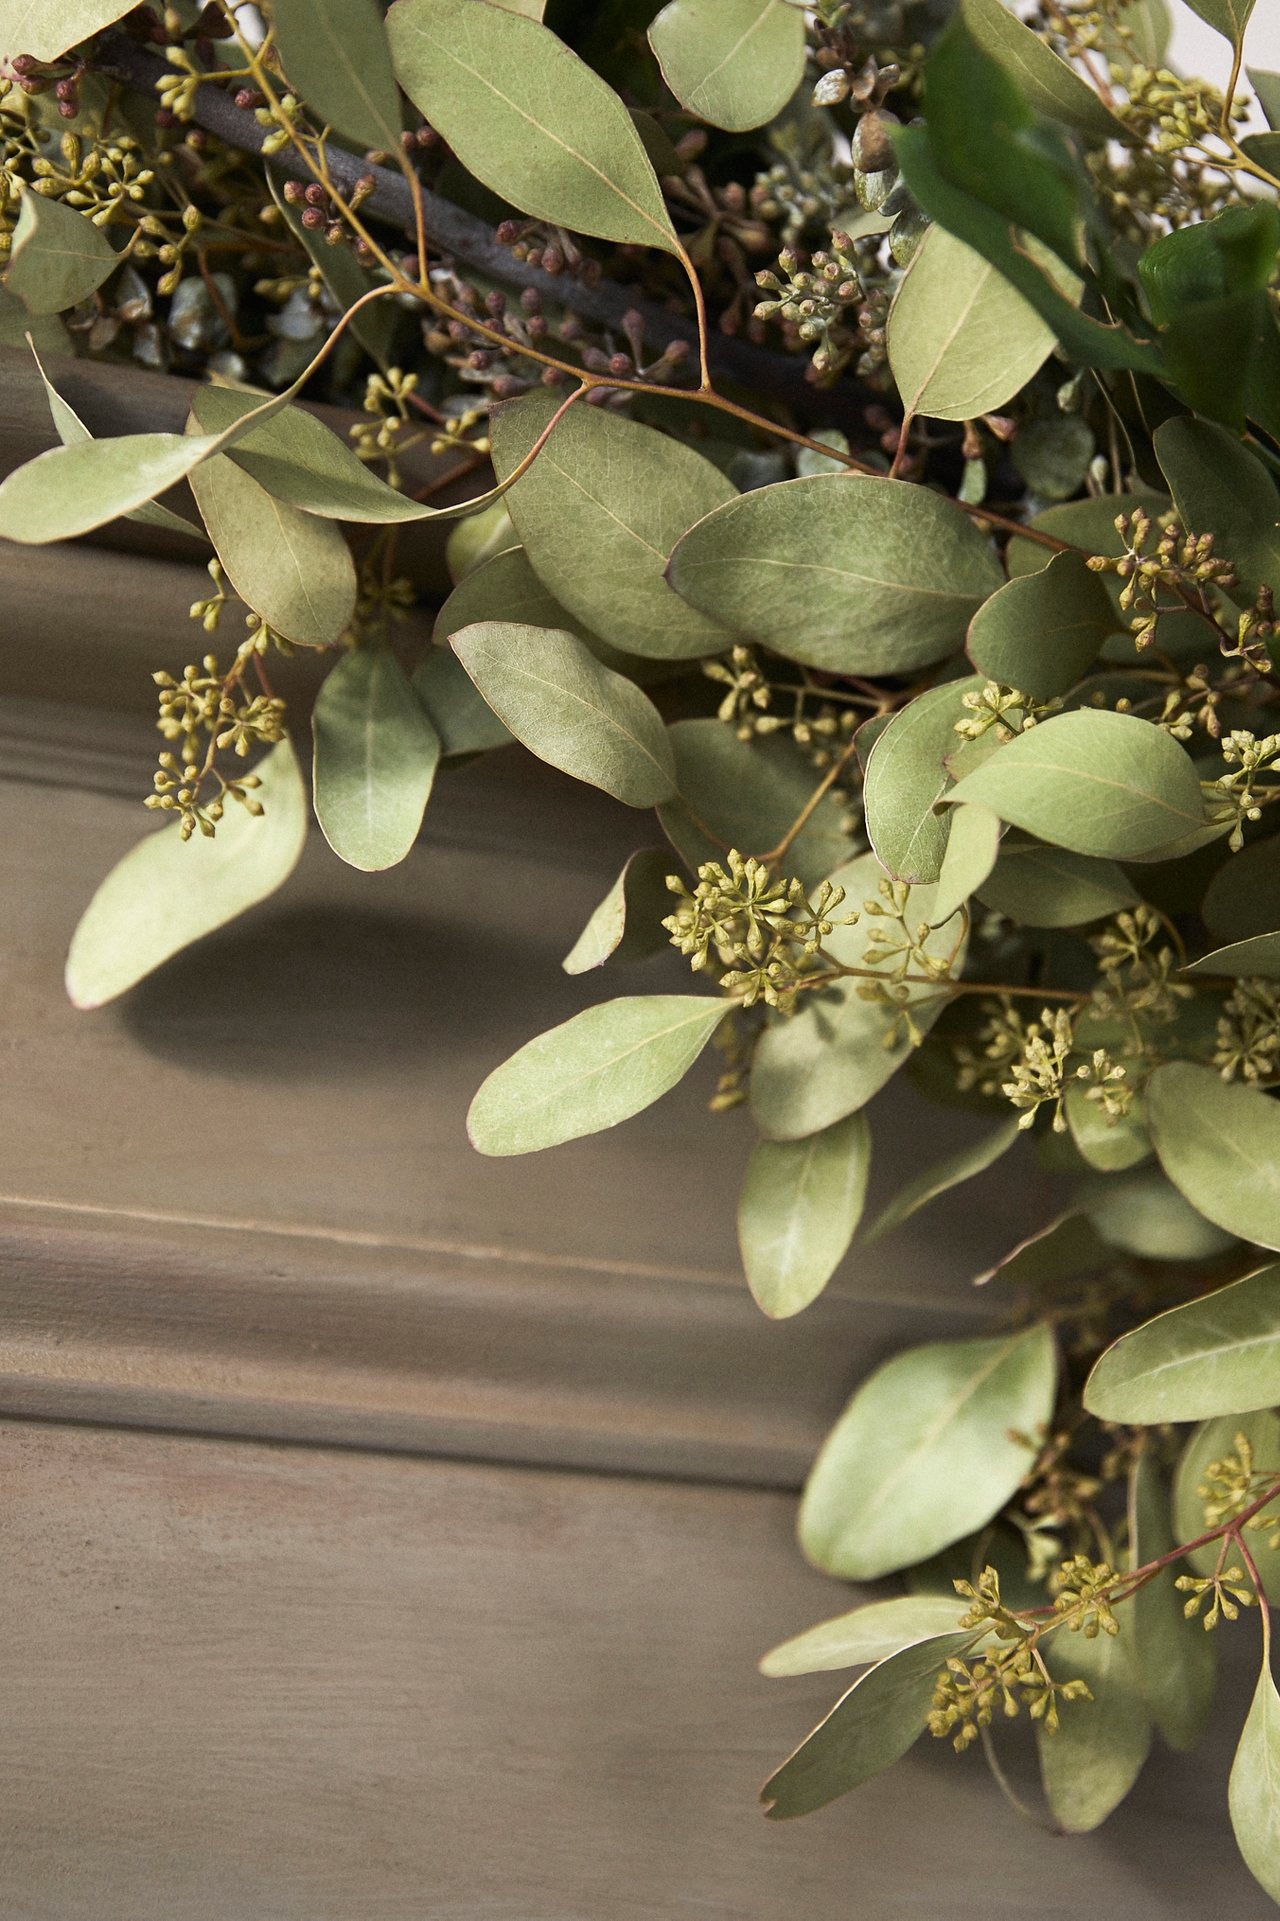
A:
1095, 1757
906, 776
1241, 899
800, 1205
735, 63
1253, 1795
1214, 1441
336, 56
942, 1176
1069, 1245
35, 27
973, 847
1049, 887
1150, 24
293, 569
1041, 632
1108, 1145
555, 696
1220, 489
456, 708
595, 1070
924, 1452
1206, 289
475, 542
748, 794
59, 257
1260, 956
1095, 782
599, 512
815, 1066
376, 325
853, 574
627, 925
1227, 17
962, 341
47, 332
375, 760
869, 1633
167, 892
1267, 87
1048, 85
529, 119
1176, 1660
1147, 1215
1219, 1143
505, 587
868, 1729
1217, 1355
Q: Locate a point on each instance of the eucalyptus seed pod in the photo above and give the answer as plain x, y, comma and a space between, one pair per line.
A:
873, 189
906, 233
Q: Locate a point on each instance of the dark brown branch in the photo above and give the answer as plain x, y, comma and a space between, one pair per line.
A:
469, 240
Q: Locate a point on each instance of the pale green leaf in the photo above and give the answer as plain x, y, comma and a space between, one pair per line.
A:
1243, 898
827, 1060
1219, 488
868, 1729
555, 696
1095, 782
1219, 1142
70, 429
1097, 1753
734, 63
1151, 26
1049, 887
375, 759
1067, 1246
1227, 17
1258, 956
942, 1176
906, 776
59, 257
973, 847
869, 1633
595, 1070
850, 573
456, 708
1267, 87
1216, 1355
748, 794
1109, 1145
47, 332
1214, 1441
800, 1204
167, 893
529, 119
1176, 1660
961, 340
924, 1452
336, 57
1048, 85
1253, 1795
627, 925
293, 569
1146, 1214
45, 29
598, 514
1043, 630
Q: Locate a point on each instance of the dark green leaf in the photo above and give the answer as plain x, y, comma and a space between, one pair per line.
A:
869, 1633
1108, 1145
529, 119
1175, 1659
1243, 898
1215, 1441
735, 64
1146, 1214
1095, 1757
1049, 887
555, 696
1217, 1355
941, 1177
1227, 17
1053, 455
375, 760
1067, 1246
1267, 87
456, 708
1048, 85
58, 257
906, 776
292, 568
627, 925
1220, 489
800, 1205
1254, 1792
1042, 631
595, 1070
599, 512
335, 55
854, 574
1258, 956
1219, 1143
167, 892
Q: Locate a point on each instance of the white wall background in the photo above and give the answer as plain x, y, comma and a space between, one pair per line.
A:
1197, 49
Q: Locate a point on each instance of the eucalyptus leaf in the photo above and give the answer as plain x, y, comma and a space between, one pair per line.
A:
70, 429
58, 256
1176, 1660
799, 1208
566, 708
1095, 782
734, 63
504, 587
593, 1071
1096, 1755
925, 1452
623, 494
869, 1728
961, 340
475, 542
1047, 84
827, 1060
1108, 1144
1216, 1355
529, 119
1042, 631
1219, 1143
849, 573
627, 925
906, 776
459, 712
1259, 956
1070, 1245
1049, 887
1227, 17
1253, 1794
47, 331
336, 56
973, 847
293, 569
943, 1176
1243, 898
375, 759
869, 1633
1146, 1214
45, 31
1219, 488
167, 892
1267, 87
1216, 1440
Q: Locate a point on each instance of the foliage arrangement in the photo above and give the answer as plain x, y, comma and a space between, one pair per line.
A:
940, 636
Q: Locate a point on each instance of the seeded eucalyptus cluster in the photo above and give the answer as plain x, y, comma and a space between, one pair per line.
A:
942, 643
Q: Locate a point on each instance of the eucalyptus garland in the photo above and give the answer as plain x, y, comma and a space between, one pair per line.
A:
883, 400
